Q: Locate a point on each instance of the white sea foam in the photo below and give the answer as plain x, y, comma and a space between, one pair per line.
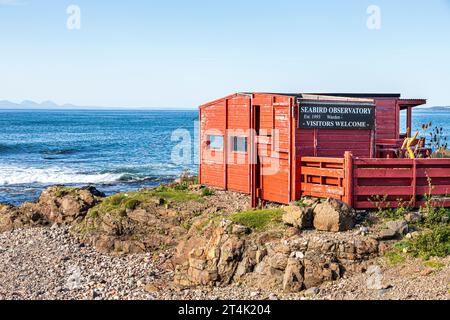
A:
11, 175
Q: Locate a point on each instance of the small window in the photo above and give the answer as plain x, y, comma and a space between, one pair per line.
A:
239, 144
215, 142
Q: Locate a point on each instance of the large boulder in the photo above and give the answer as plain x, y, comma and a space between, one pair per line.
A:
12, 217
394, 229
55, 205
320, 269
334, 216
299, 217
66, 205
293, 280
213, 263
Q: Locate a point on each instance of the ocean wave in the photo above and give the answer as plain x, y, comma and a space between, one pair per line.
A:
67, 151
133, 178
37, 148
4, 148
10, 175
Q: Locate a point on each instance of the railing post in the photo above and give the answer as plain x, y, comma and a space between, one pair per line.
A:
414, 182
348, 171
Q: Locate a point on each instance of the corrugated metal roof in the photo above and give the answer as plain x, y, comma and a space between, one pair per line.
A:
343, 95
361, 95
348, 95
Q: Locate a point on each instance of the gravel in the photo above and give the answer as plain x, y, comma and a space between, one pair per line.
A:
49, 263
411, 280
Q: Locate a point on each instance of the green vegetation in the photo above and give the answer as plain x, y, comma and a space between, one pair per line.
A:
186, 225
397, 255
132, 204
119, 203
206, 192
62, 191
403, 207
431, 243
394, 257
434, 243
385, 211
435, 216
202, 225
115, 200
383, 206
300, 203
433, 264
173, 194
258, 219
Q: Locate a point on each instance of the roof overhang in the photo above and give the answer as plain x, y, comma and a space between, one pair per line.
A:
411, 103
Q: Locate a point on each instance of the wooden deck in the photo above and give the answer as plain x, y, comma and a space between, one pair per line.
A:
359, 181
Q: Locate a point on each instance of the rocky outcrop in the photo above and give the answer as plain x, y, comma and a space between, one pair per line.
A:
394, 229
56, 205
141, 222
268, 262
334, 216
214, 262
66, 206
132, 231
299, 217
14, 218
134, 222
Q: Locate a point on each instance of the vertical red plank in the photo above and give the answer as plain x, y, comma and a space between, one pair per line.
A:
348, 165
225, 147
290, 152
252, 158
397, 119
200, 146
409, 122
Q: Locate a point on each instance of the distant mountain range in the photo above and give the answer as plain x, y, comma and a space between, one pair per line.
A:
438, 108
28, 104
32, 105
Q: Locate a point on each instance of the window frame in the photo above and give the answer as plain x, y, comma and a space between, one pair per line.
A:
234, 144
210, 145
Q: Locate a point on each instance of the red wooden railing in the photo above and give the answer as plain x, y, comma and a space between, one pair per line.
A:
326, 178
360, 182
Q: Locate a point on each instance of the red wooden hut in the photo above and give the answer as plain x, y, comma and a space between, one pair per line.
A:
279, 147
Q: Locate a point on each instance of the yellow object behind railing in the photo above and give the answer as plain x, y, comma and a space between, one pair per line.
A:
407, 145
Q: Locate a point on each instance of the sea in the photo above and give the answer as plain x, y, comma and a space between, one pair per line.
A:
113, 150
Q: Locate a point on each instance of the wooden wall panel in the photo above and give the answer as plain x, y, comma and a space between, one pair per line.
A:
274, 187
212, 162
387, 119
332, 143
274, 151
238, 169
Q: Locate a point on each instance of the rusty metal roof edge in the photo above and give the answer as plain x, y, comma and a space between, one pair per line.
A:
346, 95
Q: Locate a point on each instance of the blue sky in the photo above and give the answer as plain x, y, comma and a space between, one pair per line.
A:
182, 53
